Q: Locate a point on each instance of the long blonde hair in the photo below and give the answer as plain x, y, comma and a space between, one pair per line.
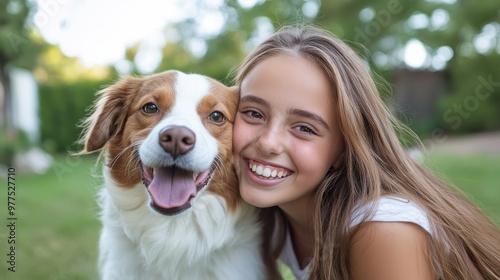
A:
464, 244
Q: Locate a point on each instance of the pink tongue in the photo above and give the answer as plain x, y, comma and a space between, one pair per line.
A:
172, 187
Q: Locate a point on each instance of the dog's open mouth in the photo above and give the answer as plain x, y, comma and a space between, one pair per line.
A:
172, 188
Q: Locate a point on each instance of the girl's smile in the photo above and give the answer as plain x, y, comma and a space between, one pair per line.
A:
266, 174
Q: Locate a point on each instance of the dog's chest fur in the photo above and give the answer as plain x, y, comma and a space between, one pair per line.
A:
201, 244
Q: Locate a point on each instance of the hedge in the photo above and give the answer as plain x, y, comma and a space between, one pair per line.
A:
62, 107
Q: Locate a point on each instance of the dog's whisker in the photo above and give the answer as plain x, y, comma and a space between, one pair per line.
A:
115, 159
218, 163
133, 161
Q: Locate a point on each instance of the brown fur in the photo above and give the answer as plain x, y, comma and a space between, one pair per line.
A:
224, 100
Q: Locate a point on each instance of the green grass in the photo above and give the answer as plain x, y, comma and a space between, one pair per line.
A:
476, 176
57, 227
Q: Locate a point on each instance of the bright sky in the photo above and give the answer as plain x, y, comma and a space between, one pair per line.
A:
99, 32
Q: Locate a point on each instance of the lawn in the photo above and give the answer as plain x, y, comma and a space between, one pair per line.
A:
57, 227
476, 176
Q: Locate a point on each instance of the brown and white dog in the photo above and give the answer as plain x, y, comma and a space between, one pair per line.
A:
170, 204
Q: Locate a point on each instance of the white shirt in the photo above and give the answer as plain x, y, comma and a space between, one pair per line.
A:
387, 209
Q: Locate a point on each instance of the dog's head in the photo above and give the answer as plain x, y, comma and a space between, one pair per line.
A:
172, 131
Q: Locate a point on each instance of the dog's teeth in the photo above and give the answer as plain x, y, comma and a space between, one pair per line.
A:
273, 174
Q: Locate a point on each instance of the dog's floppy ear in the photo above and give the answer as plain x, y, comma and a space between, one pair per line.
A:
109, 114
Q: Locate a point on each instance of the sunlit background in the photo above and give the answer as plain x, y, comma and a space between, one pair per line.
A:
436, 63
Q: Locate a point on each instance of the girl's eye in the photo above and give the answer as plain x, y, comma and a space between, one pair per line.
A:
217, 117
305, 129
253, 114
150, 108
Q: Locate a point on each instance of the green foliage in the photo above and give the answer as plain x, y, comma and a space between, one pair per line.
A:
473, 103
17, 46
62, 107
224, 52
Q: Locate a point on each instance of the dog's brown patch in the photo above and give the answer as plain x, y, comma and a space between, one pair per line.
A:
225, 100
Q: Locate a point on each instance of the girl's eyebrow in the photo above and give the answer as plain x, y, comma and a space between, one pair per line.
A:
254, 99
309, 115
297, 112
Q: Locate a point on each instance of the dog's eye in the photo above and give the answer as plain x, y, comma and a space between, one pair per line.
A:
217, 117
150, 108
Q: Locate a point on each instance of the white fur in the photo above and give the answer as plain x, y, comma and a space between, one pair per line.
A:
203, 242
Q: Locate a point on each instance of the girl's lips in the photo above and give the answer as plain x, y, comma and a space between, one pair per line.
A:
265, 174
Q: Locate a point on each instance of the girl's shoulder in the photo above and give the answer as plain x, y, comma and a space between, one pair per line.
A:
391, 242
391, 209
382, 241
390, 250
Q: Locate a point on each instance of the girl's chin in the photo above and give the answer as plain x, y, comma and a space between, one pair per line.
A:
258, 198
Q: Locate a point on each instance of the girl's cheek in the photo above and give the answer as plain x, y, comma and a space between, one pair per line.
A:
239, 132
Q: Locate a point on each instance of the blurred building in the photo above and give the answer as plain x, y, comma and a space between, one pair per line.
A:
417, 92
21, 114
24, 105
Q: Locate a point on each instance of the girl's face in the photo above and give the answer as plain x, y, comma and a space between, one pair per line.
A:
286, 135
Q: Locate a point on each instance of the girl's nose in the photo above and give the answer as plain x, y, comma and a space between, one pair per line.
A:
271, 140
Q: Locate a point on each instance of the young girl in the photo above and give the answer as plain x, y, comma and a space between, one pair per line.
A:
317, 150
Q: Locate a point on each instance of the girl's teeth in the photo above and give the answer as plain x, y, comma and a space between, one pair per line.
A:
266, 171
260, 170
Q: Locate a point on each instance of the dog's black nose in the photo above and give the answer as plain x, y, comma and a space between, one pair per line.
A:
177, 140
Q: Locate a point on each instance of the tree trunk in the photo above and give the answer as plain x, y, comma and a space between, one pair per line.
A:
6, 118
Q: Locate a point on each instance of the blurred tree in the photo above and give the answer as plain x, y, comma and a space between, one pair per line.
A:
53, 66
18, 47
221, 55
217, 55
459, 37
